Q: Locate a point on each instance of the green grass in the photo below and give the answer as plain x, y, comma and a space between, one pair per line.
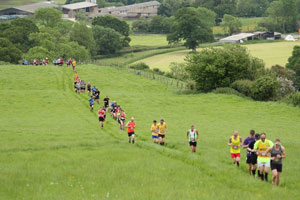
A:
13, 3
51, 145
271, 53
148, 40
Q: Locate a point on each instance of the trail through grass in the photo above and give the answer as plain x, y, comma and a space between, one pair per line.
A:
53, 148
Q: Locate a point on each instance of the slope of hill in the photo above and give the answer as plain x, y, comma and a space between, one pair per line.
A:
52, 147
13, 3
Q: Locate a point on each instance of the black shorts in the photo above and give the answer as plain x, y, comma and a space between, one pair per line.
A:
130, 134
97, 97
105, 105
253, 159
162, 136
276, 166
248, 161
101, 119
89, 89
193, 144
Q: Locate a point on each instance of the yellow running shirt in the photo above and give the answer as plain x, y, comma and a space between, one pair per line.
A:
234, 147
162, 128
262, 148
154, 129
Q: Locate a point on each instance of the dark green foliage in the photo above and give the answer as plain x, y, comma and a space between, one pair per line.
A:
81, 16
48, 16
265, 88
116, 24
141, 26
231, 24
243, 86
84, 36
158, 71
282, 16
190, 27
295, 98
294, 64
140, 66
8, 51
108, 41
227, 90
252, 8
18, 33
220, 67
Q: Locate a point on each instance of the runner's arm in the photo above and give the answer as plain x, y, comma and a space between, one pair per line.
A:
245, 145
268, 152
229, 142
283, 152
127, 124
241, 142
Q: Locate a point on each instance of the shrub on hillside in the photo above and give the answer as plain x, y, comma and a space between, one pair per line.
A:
220, 67
158, 71
295, 98
178, 71
140, 66
286, 86
243, 86
227, 90
265, 88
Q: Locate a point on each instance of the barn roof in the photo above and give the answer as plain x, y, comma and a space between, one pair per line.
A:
138, 5
237, 37
80, 5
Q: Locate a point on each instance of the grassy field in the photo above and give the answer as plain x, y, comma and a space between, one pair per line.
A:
148, 40
248, 24
52, 147
13, 3
270, 53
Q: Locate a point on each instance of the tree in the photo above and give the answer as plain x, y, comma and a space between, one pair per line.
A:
48, 16
252, 8
231, 24
108, 41
18, 33
282, 16
84, 36
190, 27
223, 7
265, 88
169, 7
8, 52
220, 67
141, 26
38, 52
114, 23
81, 16
294, 64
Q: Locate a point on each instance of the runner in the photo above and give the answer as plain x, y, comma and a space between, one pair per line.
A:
97, 96
263, 161
89, 88
74, 64
106, 102
277, 153
191, 138
78, 86
122, 119
235, 142
94, 90
247, 141
154, 129
253, 155
101, 115
91, 100
131, 126
162, 131
82, 86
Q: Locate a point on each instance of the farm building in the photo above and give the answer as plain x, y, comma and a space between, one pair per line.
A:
89, 7
242, 37
134, 11
23, 11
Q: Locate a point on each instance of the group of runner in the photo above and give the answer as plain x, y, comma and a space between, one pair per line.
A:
261, 153
35, 62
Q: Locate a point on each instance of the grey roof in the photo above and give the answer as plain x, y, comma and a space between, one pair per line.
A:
80, 5
237, 37
33, 7
138, 5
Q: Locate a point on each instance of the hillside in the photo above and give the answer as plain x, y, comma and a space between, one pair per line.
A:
52, 147
13, 3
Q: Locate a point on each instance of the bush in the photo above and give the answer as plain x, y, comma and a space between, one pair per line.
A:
265, 88
219, 67
158, 71
227, 90
141, 26
140, 66
295, 98
178, 71
243, 86
286, 86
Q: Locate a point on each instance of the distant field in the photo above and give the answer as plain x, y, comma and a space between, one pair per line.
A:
271, 53
13, 3
51, 145
148, 40
248, 24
